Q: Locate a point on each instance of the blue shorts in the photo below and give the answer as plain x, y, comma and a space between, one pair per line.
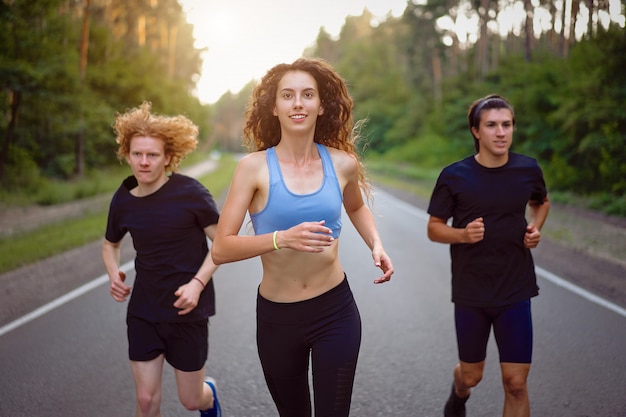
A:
512, 329
185, 345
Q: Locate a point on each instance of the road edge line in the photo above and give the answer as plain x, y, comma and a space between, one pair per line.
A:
555, 279
64, 299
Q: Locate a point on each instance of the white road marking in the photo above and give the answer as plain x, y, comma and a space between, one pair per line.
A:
62, 300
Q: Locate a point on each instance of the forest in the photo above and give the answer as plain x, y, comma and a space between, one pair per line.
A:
68, 66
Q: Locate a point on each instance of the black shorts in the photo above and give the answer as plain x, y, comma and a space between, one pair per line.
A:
185, 345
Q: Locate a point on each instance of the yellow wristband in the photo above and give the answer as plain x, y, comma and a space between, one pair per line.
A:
274, 240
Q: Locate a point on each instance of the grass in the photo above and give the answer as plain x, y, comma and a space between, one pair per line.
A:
50, 192
49, 240
405, 177
604, 203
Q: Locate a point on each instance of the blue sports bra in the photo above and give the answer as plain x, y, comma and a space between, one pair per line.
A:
285, 209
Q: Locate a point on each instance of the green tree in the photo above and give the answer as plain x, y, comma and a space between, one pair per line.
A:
62, 88
32, 35
591, 115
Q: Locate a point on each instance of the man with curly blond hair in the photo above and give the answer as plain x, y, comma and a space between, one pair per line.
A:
169, 217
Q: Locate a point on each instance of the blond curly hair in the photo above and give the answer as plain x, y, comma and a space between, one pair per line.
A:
178, 133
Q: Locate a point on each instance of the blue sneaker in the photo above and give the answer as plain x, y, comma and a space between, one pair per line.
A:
216, 411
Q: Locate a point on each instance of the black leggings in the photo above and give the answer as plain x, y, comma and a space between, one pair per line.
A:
328, 327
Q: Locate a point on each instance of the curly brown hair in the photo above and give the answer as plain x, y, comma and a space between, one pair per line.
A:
178, 133
335, 128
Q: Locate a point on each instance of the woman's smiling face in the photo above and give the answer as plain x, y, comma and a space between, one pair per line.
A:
298, 102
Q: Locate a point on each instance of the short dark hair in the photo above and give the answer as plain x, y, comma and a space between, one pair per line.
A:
492, 101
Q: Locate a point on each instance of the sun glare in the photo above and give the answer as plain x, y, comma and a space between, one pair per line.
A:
245, 38
219, 26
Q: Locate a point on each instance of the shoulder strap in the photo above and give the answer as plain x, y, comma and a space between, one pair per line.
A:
327, 162
272, 165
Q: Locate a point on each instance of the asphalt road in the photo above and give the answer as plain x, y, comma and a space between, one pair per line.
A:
71, 361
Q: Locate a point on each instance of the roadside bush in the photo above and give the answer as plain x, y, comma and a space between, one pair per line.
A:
21, 172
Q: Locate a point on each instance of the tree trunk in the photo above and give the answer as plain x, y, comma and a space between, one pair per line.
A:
563, 48
15, 98
574, 18
437, 77
453, 67
173, 39
84, 47
496, 43
592, 11
482, 57
529, 31
84, 41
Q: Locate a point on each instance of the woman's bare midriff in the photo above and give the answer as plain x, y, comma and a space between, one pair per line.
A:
290, 276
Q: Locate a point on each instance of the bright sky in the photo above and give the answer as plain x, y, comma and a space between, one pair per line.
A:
245, 38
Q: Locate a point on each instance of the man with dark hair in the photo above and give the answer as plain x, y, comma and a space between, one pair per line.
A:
493, 275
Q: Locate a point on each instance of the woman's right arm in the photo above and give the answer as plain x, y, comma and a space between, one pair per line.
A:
228, 245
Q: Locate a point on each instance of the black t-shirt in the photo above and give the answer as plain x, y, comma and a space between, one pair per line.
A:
167, 228
498, 270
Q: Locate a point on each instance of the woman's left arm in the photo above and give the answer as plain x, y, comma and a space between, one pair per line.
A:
362, 218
